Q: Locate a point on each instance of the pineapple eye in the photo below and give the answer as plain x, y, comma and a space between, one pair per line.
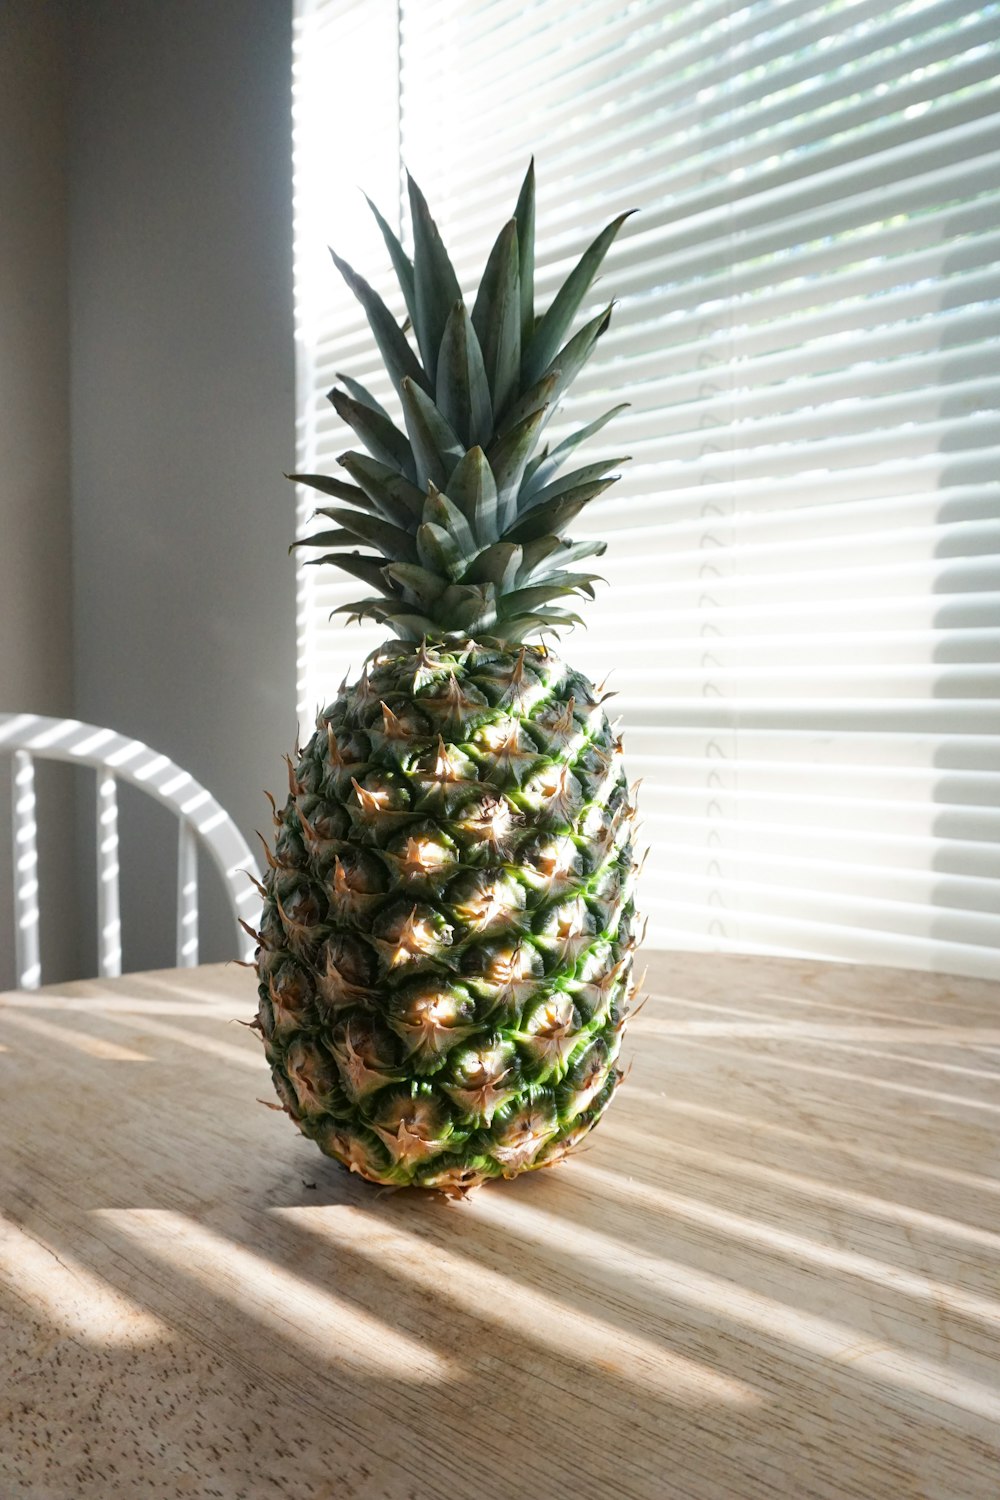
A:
438, 1009
497, 736
487, 903
511, 965
424, 855
556, 857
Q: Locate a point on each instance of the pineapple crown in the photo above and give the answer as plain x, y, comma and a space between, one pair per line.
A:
461, 516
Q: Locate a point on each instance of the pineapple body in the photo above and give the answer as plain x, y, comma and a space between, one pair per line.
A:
446, 946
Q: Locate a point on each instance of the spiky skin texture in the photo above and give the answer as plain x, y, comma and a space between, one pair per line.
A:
446, 947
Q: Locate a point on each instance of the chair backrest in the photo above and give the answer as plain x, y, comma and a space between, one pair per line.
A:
27, 737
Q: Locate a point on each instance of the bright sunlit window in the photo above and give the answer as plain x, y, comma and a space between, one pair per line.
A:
803, 603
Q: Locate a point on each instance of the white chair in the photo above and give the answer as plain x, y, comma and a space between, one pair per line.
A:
27, 737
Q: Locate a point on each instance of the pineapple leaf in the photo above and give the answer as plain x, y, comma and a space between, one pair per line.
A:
436, 448
438, 551
368, 569
498, 564
389, 539
401, 263
525, 601
542, 468
360, 393
508, 456
436, 288
398, 500
564, 582
539, 396
496, 317
424, 585
567, 482
375, 608
328, 485
524, 217
538, 553
472, 488
440, 510
518, 626
553, 515
335, 538
469, 605
462, 391
574, 354
555, 323
413, 627
338, 538
398, 357
380, 436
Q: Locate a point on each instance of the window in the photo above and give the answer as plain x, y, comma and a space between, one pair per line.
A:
803, 615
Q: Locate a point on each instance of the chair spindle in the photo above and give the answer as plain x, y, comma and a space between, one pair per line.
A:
26, 944
109, 927
187, 896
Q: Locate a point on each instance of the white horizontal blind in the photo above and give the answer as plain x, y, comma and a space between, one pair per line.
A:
804, 606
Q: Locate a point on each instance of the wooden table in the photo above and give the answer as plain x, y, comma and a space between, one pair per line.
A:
776, 1271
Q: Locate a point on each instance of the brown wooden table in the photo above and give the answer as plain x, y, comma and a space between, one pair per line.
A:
775, 1272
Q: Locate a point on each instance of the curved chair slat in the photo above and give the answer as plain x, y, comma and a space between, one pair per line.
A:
115, 757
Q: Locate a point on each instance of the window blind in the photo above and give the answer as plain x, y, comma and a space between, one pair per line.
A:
803, 613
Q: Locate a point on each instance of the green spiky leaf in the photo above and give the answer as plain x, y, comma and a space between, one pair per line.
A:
548, 550
401, 263
554, 325
543, 467
554, 514
471, 607
498, 564
436, 447
360, 393
508, 457
438, 551
462, 390
368, 569
577, 479
397, 356
425, 585
440, 510
338, 538
524, 217
472, 488
397, 499
376, 609
496, 318
389, 539
537, 398
436, 288
575, 353
380, 436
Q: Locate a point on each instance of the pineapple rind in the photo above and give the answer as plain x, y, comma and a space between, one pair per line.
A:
445, 951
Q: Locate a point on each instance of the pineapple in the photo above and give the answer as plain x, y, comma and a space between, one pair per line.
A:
446, 948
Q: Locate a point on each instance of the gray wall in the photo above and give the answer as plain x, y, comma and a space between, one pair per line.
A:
35, 566
181, 395
183, 409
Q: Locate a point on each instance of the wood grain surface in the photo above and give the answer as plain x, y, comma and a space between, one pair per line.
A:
775, 1271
